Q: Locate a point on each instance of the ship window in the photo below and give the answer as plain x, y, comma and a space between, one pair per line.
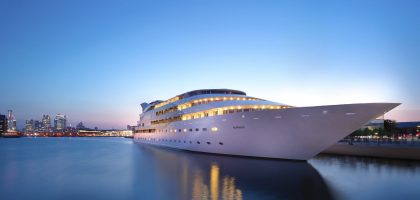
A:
214, 129
179, 130
208, 143
185, 130
197, 129
190, 142
190, 129
184, 141
198, 142
204, 129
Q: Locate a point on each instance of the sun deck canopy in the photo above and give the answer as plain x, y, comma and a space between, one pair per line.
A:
211, 91
156, 104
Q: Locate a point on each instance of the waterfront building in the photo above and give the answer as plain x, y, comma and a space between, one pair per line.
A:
46, 123
60, 122
131, 128
229, 122
37, 126
412, 128
29, 126
374, 124
80, 126
3, 124
11, 121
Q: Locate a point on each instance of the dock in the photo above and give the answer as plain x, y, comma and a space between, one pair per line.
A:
406, 151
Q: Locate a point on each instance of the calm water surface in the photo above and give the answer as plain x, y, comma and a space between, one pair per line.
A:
117, 168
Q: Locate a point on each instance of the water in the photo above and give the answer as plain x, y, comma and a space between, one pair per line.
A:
117, 168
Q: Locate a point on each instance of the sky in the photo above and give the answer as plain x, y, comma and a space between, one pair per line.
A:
97, 60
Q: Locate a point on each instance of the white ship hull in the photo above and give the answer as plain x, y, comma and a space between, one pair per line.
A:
297, 133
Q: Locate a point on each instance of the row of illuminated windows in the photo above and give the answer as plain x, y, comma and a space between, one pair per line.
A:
146, 131
219, 111
173, 140
167, 120
203, 101
212, 129
167, 102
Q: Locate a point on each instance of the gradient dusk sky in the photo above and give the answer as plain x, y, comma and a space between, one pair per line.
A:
96, 61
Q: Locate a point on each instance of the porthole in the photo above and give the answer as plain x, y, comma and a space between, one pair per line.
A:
221, 143
198, 142
197, 129
179, 130
204, 129
190, 142
190, 129
208, 143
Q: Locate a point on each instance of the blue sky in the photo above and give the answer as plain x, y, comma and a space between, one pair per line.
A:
96, 61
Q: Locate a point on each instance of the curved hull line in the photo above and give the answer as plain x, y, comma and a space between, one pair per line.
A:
297, 133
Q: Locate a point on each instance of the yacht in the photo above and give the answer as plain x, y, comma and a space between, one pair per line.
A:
225, 121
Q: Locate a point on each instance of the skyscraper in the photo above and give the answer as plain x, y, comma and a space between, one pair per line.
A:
37, 126
29, 126
60, 122
3, 124
46, 123
11, 121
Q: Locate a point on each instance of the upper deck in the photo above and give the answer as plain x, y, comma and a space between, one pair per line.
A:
157, 104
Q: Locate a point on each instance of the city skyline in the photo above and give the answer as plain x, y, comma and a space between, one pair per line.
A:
97, 64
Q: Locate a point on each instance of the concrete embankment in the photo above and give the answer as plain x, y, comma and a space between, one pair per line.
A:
372, 150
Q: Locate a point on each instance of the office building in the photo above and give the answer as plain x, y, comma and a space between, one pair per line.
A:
29, 126
60, 122
46, 123
11, 121
3, 124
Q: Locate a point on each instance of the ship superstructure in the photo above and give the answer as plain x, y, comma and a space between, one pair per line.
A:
228, 121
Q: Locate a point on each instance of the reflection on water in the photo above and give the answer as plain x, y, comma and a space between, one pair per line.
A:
205, 176
369, 178
117, 168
